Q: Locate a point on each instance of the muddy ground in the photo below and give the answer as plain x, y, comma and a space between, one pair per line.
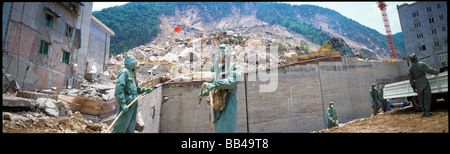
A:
398, 120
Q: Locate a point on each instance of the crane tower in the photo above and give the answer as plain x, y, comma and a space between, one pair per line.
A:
387, 26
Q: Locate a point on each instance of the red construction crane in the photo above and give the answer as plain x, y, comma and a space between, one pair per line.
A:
387, 26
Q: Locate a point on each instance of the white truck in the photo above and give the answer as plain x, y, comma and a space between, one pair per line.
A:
402, 89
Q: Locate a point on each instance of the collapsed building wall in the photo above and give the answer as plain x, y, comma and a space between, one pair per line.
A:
35, 39
47, 44
298, 104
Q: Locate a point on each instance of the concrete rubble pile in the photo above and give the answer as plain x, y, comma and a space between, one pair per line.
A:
192, 43
43, 115
41, 111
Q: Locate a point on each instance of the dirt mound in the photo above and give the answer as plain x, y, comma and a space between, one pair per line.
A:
398, 120
73, 123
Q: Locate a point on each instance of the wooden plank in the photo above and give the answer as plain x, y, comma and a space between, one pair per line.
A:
87, 106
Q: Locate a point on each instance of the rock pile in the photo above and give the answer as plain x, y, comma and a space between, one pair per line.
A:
196, 40
44, 115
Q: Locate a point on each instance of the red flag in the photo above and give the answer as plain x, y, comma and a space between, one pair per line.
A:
177, 29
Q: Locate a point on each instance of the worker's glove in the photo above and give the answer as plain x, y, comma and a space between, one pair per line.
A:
149, 90
210, 86
203, 94
332, 121
337, 121
124, 107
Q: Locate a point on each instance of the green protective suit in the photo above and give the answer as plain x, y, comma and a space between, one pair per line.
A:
384, 103
126, 91
333, 120
375, 102
419, 83
226, 119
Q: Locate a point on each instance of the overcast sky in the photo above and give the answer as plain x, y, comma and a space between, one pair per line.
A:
366, 13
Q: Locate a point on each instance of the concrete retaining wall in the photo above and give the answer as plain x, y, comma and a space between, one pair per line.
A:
297, 105
150, 108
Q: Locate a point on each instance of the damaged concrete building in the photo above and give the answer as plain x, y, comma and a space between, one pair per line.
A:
48, 44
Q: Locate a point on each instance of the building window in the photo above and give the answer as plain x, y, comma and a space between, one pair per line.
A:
65, 58
441, 17
436, 44
69, 31
415, 14
425, 60
73, 6
438, 5
431, 20
433, 31
419, 35
48, 20
417, 24
445, 42
443, 28
429, 9
443, 57
43, 49
422, 48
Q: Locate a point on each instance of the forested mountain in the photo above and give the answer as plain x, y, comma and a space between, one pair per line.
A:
137, 23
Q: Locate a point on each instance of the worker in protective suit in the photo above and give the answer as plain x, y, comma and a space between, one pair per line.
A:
374, 99
332, 116
126, 91
383, 102
226, 77
419, 83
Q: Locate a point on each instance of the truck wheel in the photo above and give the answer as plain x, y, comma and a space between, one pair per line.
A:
416, 104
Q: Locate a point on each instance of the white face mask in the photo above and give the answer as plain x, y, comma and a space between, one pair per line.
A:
332, 106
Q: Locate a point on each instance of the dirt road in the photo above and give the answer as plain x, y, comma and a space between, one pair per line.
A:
399, 120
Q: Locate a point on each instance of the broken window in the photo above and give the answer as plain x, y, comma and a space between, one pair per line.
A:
48, 19
422, 48
65, 58
73, 6
43, 49
69, 31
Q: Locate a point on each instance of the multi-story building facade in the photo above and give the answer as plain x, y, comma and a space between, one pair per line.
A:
424, 27
99, 39
46, 44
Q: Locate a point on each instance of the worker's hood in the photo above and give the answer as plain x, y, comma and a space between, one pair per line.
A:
413, 58
130, 61
224, 50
